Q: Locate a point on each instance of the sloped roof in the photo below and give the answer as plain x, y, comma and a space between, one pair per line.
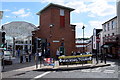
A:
18, 29
56, 5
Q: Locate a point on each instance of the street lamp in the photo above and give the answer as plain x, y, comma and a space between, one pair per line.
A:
83, 37
1, 68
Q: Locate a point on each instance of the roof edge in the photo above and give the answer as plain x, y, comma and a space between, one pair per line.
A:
109, 20
57, 5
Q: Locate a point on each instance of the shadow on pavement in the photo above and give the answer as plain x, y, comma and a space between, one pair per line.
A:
18, 65
70, 68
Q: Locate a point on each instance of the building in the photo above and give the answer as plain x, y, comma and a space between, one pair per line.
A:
118, 30
18, 35
89, 44
55, 29
96, 40
110, 37
101, 41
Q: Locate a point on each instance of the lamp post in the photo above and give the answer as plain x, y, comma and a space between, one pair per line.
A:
1, 55
83, 37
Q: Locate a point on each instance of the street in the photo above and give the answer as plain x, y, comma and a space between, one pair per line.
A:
110, 72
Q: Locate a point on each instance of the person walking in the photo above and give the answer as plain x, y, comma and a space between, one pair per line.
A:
72, 53
30, 56
57, 54
40, 57
105, 58
21, 57
36, 59
18, 52
62, 50
26, 56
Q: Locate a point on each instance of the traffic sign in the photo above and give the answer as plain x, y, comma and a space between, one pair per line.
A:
97, 39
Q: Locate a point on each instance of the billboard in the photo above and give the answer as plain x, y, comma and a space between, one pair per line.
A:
79, 59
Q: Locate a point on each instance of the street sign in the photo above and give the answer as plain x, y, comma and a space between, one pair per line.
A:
79, 59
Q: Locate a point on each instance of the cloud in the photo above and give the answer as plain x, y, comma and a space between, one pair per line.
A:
88, 31
21, 13
7, 16
101, 8
78, 25
78, 6
52, 0
6, 10
25, 15
96, 24
94, 8
79, 30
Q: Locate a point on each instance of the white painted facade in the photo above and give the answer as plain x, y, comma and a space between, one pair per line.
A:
110, 27
118, 16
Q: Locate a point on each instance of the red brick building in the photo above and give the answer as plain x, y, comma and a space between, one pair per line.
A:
55, 28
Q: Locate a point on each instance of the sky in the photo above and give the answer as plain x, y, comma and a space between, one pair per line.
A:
90, 13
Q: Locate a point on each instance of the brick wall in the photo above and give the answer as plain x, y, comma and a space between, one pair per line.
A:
56, 33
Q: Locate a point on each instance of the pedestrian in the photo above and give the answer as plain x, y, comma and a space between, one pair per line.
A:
105, 58
21, 57
36, 59
18, 52
30, 56
72, 53
57, 54
40, 57
62, 50
101, 56
48, 53
26, 56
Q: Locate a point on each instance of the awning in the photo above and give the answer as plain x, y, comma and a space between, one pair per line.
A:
107, 45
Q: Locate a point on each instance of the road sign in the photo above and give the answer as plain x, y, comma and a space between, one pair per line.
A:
97, 39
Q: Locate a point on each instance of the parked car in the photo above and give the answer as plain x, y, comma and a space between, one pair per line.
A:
7, 58
7, 55
88, 53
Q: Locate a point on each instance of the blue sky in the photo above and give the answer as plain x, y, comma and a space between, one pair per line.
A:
90, 13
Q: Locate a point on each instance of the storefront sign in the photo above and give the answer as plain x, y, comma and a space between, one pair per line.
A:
81, 59
56, 41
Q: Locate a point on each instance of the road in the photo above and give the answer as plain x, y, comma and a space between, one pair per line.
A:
100, 72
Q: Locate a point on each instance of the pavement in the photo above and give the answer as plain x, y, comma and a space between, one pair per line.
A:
27, 66
71, 67
17, 65
28, 69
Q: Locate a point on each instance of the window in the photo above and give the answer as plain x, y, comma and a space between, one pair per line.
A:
61, 12
108, 34
108, 26
112, 24
104, 27
62, 18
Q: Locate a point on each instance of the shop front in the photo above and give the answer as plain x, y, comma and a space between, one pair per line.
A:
111, 47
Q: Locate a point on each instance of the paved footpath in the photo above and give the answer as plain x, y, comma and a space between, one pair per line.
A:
28, 70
